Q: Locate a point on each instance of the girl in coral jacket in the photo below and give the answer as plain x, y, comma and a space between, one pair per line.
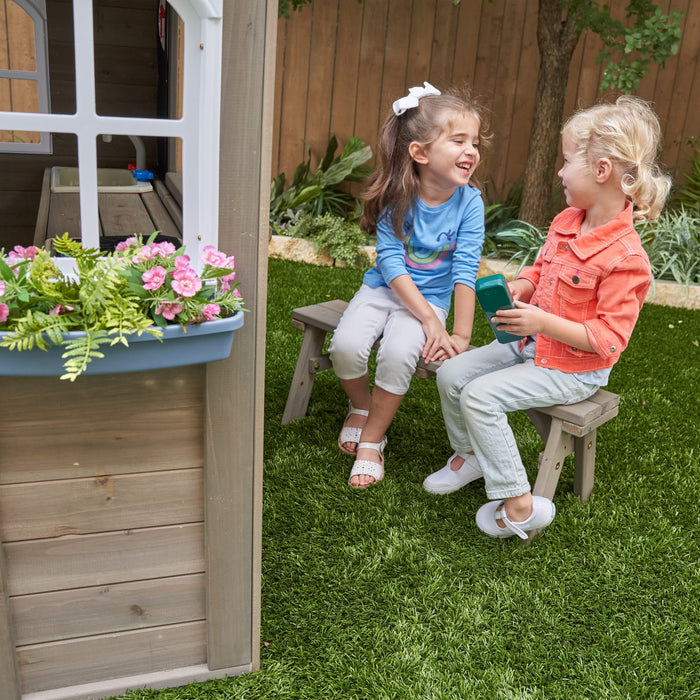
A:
576, 308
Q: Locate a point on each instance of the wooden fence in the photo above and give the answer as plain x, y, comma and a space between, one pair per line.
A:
341, 63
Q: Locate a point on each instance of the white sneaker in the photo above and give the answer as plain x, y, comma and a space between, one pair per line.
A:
447, 480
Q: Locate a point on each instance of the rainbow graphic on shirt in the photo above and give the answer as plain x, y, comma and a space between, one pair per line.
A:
426, 259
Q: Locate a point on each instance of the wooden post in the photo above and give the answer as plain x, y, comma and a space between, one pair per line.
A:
234, 399
8, 661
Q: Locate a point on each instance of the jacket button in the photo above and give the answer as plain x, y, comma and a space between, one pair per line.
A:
612, 348
544, 360
574, 349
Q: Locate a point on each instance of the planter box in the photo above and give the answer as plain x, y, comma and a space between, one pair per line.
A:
205, 342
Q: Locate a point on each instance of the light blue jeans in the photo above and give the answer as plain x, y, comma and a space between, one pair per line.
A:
478, 388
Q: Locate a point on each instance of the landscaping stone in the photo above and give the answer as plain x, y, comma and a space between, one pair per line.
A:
662, 292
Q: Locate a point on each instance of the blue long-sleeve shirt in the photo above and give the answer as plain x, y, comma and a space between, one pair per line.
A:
442, 247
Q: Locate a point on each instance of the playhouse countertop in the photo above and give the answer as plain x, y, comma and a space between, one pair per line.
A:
121, 214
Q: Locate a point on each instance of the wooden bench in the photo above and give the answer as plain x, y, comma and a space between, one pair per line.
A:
564, 429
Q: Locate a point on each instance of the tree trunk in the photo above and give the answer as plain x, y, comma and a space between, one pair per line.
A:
557, 36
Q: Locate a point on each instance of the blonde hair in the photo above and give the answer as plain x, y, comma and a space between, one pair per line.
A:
628, 133
393, 188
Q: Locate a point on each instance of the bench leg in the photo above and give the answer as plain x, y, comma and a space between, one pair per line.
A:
584, 459
304, 375
558, 445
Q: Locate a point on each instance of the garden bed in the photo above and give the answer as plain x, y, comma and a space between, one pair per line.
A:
662, 292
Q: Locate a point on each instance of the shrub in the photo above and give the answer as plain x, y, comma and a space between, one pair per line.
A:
339, 238
319, 192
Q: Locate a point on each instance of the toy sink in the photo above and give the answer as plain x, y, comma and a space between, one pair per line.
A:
65, 179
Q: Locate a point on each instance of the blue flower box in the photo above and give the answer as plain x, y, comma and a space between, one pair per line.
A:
205, 342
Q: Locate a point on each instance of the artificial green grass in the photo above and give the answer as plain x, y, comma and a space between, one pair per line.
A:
394, 593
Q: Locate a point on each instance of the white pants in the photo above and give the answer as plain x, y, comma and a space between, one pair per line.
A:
478, 388
373, 314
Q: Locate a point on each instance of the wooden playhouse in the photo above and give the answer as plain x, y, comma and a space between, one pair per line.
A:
130, 504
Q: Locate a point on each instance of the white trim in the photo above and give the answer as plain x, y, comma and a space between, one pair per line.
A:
36, 9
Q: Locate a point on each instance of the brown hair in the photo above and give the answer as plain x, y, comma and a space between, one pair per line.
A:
393, 187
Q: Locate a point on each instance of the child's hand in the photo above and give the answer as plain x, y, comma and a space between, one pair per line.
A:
439, 345
520, 289
525, 319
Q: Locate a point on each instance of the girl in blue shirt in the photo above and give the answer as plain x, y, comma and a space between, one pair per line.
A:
429, 223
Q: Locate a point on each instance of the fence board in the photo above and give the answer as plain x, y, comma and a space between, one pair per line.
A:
346, 84
83, 612
368, 104
382, 49
323, 37
95, 560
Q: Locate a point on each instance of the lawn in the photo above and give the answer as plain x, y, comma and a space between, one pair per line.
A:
394, 593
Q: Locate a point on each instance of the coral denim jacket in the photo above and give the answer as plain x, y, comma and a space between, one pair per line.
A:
599, 279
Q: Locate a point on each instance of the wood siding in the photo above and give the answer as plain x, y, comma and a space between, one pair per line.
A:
340, 65
102, 524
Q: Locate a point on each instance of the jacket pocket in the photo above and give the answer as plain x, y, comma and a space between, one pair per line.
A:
576, 290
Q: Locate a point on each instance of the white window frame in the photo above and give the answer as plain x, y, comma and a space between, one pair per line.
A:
198, 128
36, 10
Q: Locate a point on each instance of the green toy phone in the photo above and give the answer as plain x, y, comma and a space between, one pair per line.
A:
493, 295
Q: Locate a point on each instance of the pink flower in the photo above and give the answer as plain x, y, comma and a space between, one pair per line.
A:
4, 312
211, 311
169, 309
186, 282
2, 288
182, 262
154, 277
212, 256
19, 253
165, 248
59, 309
226, 281
123, 245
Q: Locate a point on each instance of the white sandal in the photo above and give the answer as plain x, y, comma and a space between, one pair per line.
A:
348, 434
363, 467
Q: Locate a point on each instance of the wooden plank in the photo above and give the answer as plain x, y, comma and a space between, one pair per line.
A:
8, 662
90, 505
345, 78
95, 560
319, 96
83, 612
42, 217
162, 221
294, 89
395, 56
468, 30
123, 214
169, 202
235, 386
101, 424
91, 659
368, 105
64, 215
324, 315
504, 97
420, 42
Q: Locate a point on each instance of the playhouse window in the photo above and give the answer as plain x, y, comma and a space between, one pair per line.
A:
191, 125
24, 70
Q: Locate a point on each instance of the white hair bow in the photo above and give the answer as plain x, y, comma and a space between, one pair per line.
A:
414, 94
